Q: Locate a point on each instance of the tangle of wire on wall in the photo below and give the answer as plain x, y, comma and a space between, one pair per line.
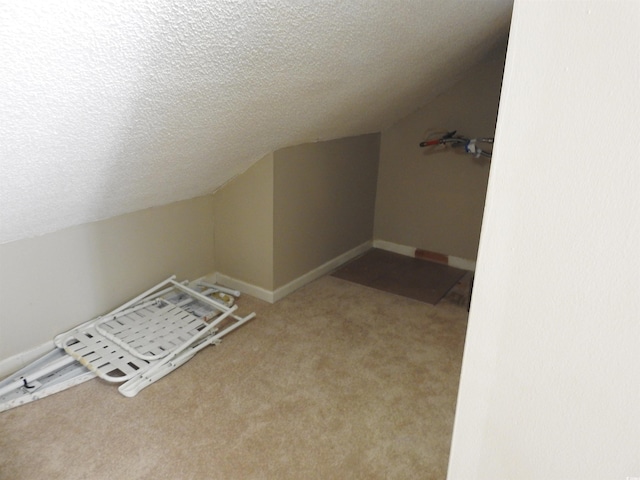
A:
450, 139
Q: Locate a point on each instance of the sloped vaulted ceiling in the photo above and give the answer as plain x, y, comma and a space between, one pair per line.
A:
112, 106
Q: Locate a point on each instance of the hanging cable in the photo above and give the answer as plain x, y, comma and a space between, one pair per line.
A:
470, 145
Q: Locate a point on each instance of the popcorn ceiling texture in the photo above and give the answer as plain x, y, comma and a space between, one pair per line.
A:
108, 107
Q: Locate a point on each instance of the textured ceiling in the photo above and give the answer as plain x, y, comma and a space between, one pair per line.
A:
109, 107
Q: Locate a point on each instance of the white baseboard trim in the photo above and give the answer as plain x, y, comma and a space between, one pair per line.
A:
462, 263
244, 287
279, 293
395, 248
457, 262
320, 271
21, 360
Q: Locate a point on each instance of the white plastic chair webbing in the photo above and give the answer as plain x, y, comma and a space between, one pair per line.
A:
59, 339
177, 357
165, 366
113, 363
102, 357
152, 332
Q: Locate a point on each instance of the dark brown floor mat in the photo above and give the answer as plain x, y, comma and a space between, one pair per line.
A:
406, 276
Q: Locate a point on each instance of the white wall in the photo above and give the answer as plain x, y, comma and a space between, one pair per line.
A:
51, 283
550, 385
109, 107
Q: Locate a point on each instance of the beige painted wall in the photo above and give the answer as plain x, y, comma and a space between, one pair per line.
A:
435, 202
324, 199
244, 226
295, 210
56, 281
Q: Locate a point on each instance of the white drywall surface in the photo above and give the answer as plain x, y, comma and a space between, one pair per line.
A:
110, 107
50, 283
550, 385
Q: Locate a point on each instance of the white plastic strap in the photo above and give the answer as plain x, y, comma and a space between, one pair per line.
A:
60, 339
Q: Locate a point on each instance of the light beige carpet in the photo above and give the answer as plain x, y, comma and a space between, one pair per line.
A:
336, 381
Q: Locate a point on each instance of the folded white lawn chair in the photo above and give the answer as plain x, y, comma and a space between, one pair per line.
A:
53, 372
138, 342
144, 342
